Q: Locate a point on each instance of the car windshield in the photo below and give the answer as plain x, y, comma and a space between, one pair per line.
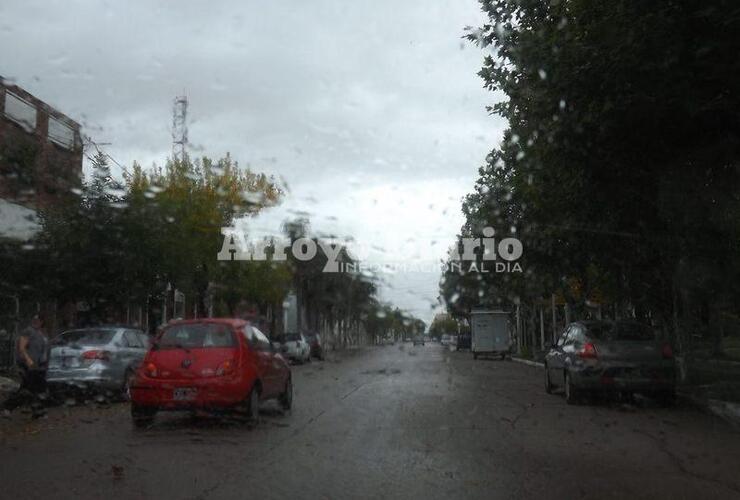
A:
197, 336
293, 337
85, 337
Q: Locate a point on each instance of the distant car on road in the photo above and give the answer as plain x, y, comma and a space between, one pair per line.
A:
463, 341
418, 340
209, 364
445, 340
100, 358
315, 346
295, 347
610, 356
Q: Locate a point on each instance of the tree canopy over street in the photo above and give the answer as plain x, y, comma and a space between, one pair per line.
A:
619, 170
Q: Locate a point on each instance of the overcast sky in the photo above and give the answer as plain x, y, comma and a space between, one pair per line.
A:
371, 111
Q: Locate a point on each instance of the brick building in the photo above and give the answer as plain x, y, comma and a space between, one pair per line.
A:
40, 164
40, 150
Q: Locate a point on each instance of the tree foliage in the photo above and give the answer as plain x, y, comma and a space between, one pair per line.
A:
619, 170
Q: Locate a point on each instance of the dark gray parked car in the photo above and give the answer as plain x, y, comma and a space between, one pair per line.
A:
610, 356
101, 358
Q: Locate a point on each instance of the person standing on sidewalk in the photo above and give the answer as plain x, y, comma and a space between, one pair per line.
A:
32, 356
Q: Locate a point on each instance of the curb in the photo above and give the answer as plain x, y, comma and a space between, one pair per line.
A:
725, 410
528, 362
729, 412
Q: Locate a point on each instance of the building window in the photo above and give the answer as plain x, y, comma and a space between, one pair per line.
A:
20, 111
61, 133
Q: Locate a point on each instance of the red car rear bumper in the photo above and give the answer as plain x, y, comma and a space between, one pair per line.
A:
205, 394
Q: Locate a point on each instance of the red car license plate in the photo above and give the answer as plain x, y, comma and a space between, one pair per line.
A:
184, 394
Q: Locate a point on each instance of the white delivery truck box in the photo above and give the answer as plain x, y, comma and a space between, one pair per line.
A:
489, 333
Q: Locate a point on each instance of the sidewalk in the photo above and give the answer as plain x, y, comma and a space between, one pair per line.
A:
7, 385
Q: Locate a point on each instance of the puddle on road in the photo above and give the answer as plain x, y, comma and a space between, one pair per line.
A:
382, 371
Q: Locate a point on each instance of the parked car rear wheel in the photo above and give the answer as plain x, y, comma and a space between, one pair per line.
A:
667, 399
286, 398
548, 384
126, 386
571, 393
253, 405
142, 416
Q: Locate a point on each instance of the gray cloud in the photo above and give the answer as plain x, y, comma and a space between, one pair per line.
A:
335, 96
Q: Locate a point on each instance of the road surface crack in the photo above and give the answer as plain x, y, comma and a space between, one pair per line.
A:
679, 464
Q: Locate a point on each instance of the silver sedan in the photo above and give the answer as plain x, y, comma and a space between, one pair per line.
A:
102, 358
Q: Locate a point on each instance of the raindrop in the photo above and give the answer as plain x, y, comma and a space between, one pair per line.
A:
542, 73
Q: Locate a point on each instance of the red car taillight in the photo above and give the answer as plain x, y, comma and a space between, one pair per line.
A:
150, 370
96, 354
667, 351
225, 368
588, 351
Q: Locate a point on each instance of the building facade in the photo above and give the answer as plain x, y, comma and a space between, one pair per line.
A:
40, 150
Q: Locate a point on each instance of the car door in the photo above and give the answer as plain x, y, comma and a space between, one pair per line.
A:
556, 358
139, 345
276, 366
129, 346
263, 352
570, 347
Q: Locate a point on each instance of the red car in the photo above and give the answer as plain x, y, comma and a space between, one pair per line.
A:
209, 364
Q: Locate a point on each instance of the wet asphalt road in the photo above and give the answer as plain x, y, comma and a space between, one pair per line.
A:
386, 422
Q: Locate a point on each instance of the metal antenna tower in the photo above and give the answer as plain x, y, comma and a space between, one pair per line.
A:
179, 128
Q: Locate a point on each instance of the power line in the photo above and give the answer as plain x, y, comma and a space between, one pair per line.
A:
89, 142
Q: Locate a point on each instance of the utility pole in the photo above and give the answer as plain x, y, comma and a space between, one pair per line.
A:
542, 326
554, 318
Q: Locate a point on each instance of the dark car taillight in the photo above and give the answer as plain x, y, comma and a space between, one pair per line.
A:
96, 354
667, 351
588, 351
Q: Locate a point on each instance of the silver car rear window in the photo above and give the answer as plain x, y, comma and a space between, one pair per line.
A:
86, 337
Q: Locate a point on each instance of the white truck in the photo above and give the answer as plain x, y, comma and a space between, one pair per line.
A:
489, 333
